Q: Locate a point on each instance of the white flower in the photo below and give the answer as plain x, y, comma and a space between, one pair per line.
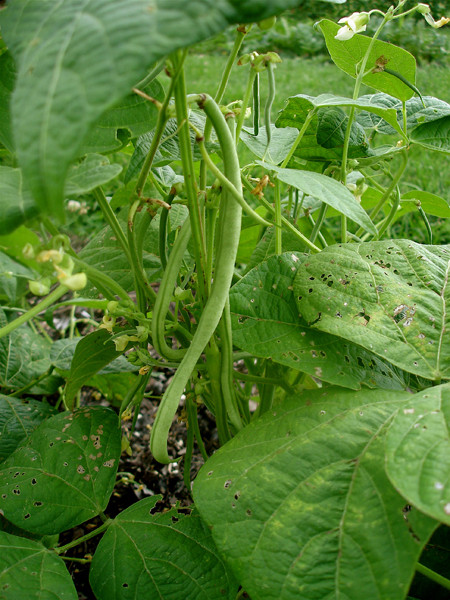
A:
355, 23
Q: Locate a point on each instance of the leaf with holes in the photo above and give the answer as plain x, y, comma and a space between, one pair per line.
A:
64, 474
18, 419
265, 323
326, 190
308, 478
347, 55
418, 452
29, 570
92, 353
166, 555
390, 297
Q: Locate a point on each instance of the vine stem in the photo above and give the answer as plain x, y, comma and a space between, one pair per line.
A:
356, 90
35, 310
112, 221
299, 137
84, 538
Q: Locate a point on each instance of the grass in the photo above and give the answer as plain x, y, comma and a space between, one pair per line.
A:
427, 170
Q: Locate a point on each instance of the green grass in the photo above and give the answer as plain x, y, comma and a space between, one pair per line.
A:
427, 170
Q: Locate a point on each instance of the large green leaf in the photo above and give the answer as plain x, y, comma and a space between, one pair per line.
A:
434, 135
307, 479
418, 452
430, 203
16, 203
391, 297
326, 190
161, 556
75, 60
18, 418
92, 353
65, 472
31, 571
7, 80
266, 323
62, 353
347, 55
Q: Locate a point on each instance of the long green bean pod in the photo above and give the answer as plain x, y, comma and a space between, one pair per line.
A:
164, 295
228, 240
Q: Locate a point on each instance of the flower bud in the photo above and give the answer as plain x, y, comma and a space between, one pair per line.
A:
28, 251
75, 282
39, 288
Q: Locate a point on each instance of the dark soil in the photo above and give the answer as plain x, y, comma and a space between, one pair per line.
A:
140, 476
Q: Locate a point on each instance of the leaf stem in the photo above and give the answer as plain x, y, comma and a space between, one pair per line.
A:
84, 538
436, 577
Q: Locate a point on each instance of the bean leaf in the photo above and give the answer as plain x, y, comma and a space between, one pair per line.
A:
308, 477
166, 555
65, 472
266, 323
390, 297
29, 570
326, 190
347, 55
418, 452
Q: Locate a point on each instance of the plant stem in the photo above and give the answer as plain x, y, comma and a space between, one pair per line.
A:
35, 310
299, 137
84, 538
245, 101
440, 579
112, 221
278, 229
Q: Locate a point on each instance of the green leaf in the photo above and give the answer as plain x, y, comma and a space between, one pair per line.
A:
13, 244
418, 452
16, 202
114, 386
18, 419
375, 104
434, 135
326, 190
131, 117
324, 137
62, 353
29, 570
93, 171
13, 278
431, 204
347, 56
92, 353
265, 323
65, 472
389, 297
24, 356
76, 60
281, 142
166, 555
308, 478
7, 80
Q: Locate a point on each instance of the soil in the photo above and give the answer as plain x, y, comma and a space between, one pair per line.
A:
139, 476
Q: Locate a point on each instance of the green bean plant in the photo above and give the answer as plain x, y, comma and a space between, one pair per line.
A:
250, 254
